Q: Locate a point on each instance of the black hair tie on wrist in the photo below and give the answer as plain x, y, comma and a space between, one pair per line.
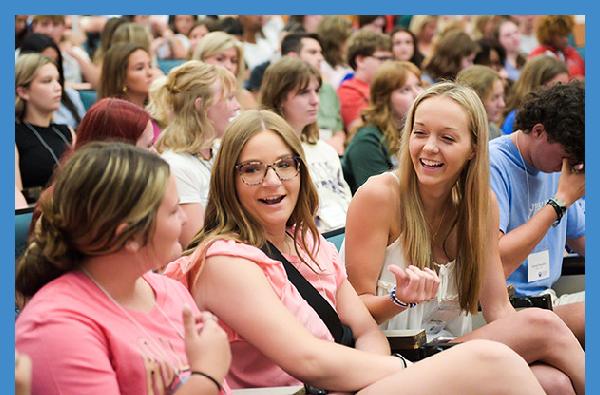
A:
208, 376
405, 365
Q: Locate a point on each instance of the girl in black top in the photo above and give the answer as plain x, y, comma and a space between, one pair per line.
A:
71, 108
39, 143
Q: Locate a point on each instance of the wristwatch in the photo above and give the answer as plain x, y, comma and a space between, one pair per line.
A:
559, 207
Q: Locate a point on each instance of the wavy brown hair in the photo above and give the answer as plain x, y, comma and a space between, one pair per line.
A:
333, 31
390, 76
225, 217
449, 51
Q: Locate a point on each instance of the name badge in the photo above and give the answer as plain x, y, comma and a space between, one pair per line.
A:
538, 266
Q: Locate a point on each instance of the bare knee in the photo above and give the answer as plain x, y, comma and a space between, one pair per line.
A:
558, 384
544, 323
495, 355
497, 364
540, 319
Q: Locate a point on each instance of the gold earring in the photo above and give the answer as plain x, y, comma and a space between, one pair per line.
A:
125, 89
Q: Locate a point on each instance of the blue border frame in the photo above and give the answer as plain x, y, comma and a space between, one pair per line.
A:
269, 7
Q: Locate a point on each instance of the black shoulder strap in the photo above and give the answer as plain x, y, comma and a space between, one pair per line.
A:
326, 312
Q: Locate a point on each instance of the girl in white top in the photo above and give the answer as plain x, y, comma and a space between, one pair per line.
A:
290, 87
434, 225
441, 316
201, 100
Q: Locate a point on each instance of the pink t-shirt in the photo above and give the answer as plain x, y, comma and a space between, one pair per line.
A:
249, 367
80, 342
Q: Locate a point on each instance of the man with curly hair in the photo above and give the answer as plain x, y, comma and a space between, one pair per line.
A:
537, 176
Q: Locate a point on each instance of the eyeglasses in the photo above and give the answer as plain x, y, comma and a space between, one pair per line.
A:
253, 173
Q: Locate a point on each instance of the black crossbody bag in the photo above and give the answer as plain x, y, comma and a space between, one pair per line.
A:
342, 334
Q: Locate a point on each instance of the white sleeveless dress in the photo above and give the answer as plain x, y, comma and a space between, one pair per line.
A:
441, 317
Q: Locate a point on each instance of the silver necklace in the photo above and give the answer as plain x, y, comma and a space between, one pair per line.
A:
178, 378
126, 313
43, 142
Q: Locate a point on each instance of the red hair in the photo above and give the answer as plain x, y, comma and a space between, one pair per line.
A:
108, 119
112, 119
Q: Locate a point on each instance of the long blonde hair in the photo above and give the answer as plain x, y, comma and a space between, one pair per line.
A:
190, 130
470, 197
157, 105
225, 217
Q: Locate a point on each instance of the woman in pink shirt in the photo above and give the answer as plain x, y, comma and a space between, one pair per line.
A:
99, 320
261, 195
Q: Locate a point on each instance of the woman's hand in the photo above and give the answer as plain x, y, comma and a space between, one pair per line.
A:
414, 285
22, 374
207, 349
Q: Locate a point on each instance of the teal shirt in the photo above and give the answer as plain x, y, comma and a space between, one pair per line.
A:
366, 156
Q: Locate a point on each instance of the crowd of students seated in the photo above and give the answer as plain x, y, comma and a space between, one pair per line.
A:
176, 244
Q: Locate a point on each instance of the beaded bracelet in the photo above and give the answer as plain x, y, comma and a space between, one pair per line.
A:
208, 376
398, 302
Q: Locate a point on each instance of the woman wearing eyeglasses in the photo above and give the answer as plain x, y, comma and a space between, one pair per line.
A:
262, 197
290, 87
